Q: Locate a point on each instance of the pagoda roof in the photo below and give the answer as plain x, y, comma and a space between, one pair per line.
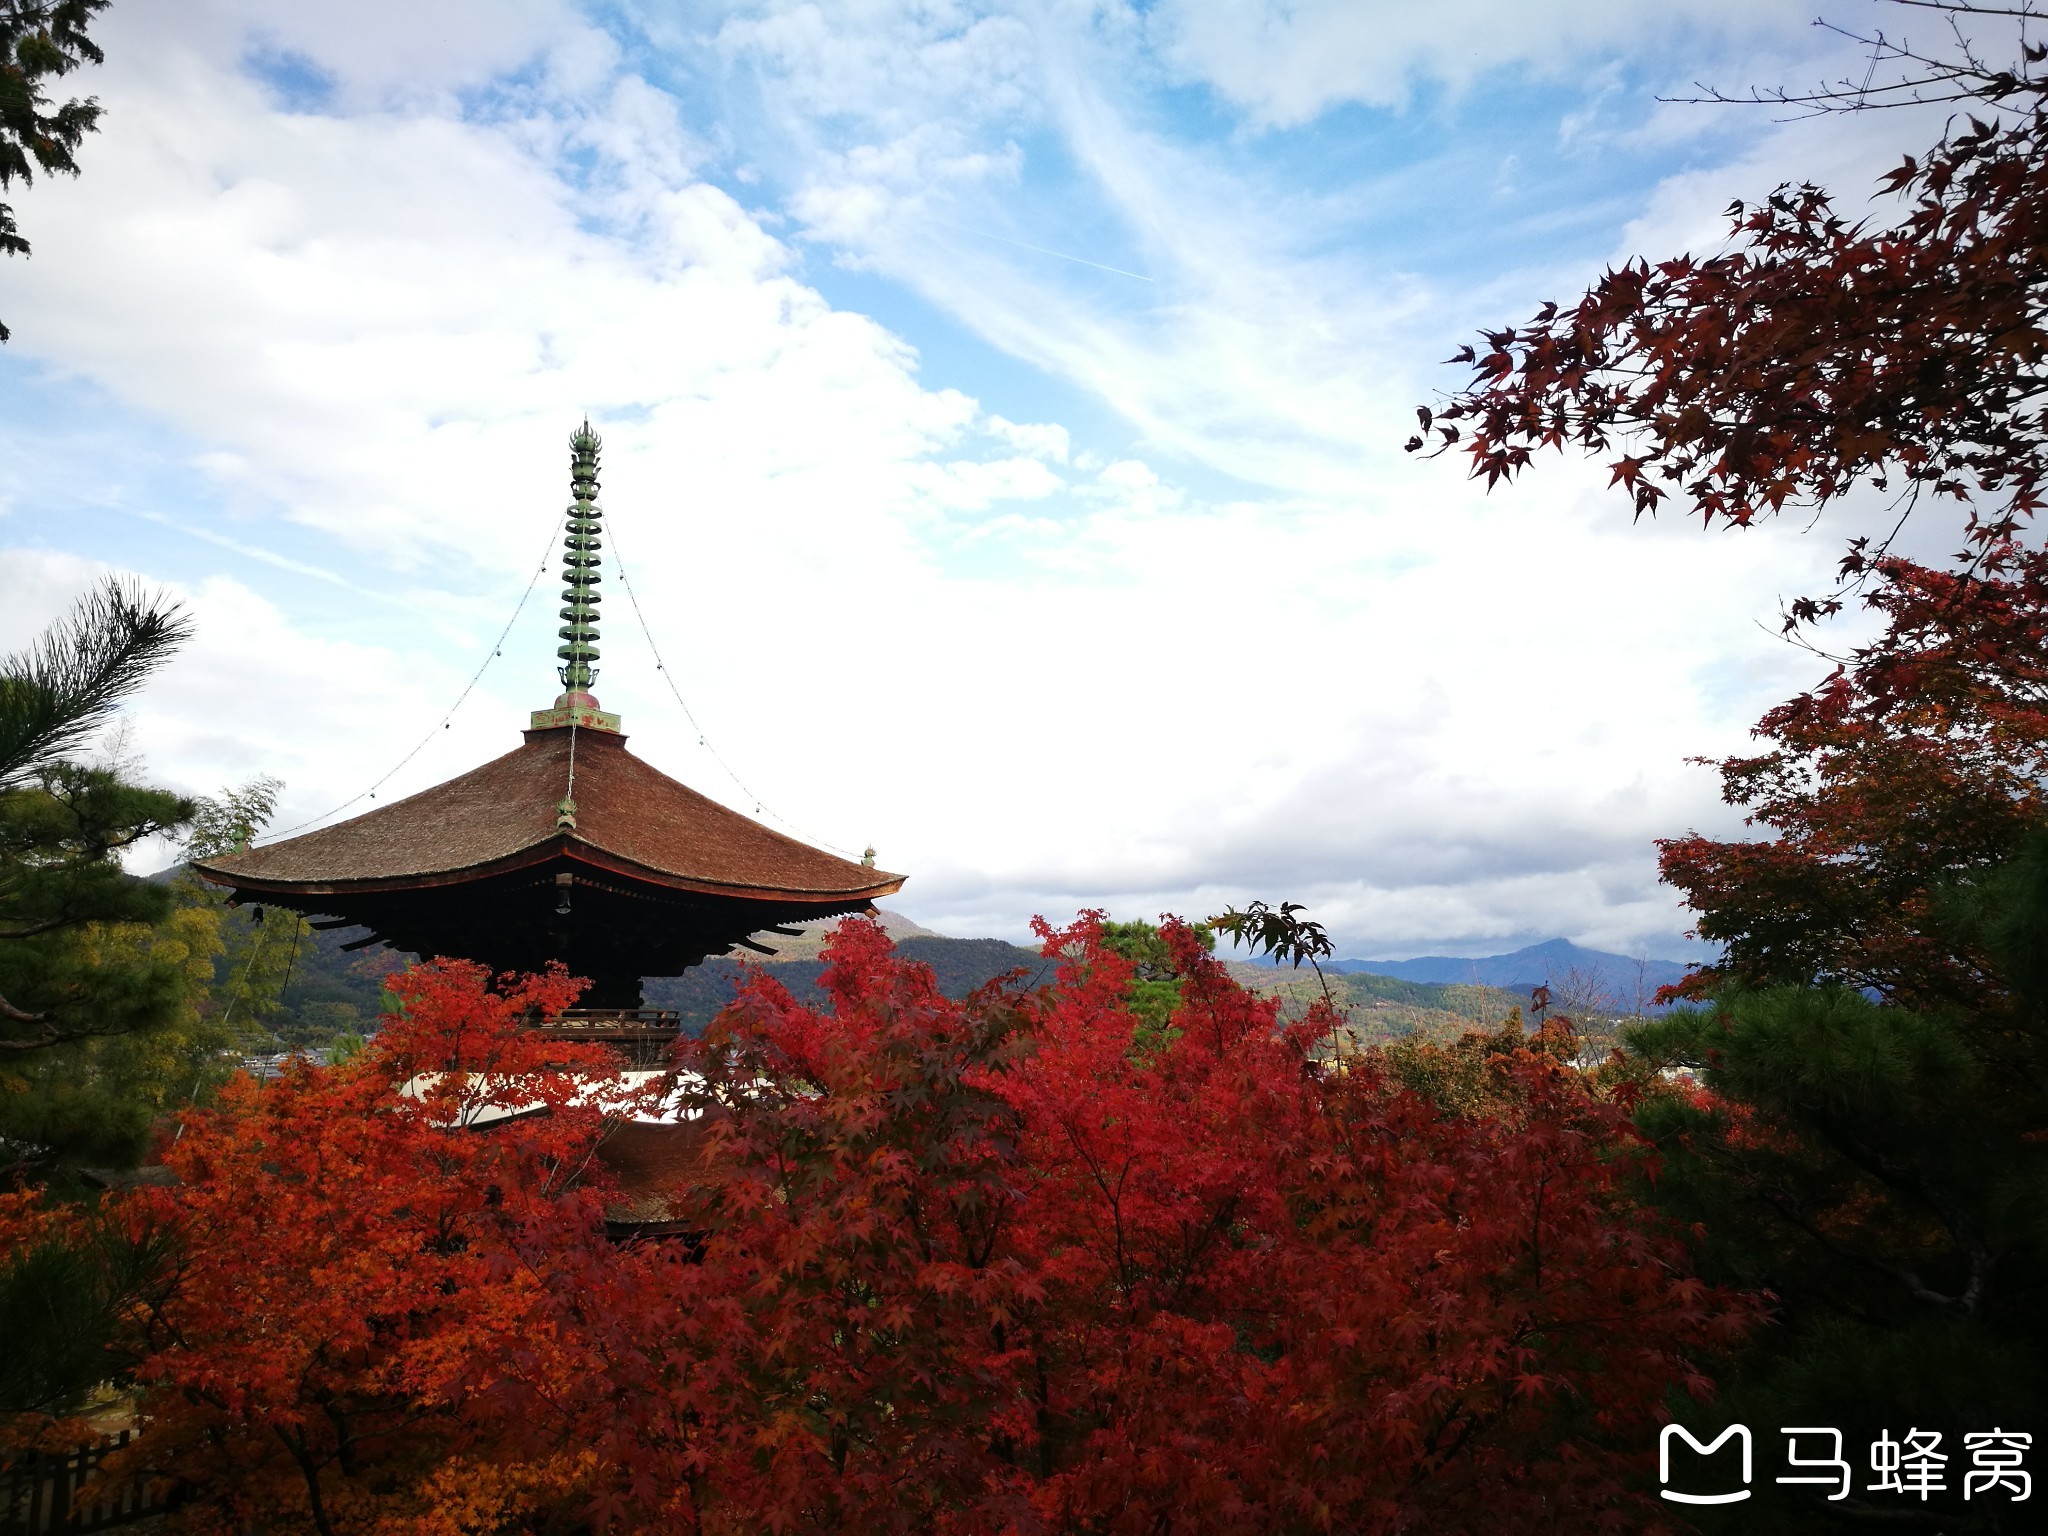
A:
628, 819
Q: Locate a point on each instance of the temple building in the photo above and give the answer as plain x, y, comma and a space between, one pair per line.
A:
568, 847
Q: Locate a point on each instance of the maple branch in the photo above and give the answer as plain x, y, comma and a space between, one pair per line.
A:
1113, 1196
606, 1129
1219, 1218
1992, 85
1971, 8
1909, 1180
1911, 1283
1438, 1457
310, 1471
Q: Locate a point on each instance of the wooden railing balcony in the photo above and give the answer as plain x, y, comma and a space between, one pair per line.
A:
622, 1026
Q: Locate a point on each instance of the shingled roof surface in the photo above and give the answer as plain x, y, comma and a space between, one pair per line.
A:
502, 815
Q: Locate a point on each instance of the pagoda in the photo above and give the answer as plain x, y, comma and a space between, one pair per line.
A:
566, 848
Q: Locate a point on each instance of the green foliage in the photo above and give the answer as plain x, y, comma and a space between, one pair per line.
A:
323, 1024
229, 821
64, 686
1380, 1009
1883, 1174
147, 1044
258, 960
1155, 990
58, 840
344, 1048
1481, 1004
1279, 932
64, 1295
1144, 946
2005, 911
99, 1026
1275, 931
274, 984
60, 881
64, 824
1825, 1055
1454, 1076
1473, 1074
41, 40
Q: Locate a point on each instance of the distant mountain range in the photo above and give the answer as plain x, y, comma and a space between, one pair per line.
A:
958, 965
1586, 976
332, 990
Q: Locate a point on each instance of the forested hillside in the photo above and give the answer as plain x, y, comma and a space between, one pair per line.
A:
1380, 1008
960, 965
330, 992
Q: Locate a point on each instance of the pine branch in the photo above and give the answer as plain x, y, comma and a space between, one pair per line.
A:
54, 694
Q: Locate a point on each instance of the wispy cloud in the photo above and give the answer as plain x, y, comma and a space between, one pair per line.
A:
1197, 630
270, 557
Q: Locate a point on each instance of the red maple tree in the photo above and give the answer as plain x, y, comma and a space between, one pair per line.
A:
1921, 764
1813, 356
357, 1273
1013, 1263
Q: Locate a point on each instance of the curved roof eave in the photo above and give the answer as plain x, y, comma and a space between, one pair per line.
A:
561, 845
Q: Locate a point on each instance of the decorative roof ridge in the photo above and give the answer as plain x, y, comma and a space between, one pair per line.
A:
546, 722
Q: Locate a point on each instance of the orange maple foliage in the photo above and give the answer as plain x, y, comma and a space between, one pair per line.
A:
1007, 1264
1922, 762
357, 1272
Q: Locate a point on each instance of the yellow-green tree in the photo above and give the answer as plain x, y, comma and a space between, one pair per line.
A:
259, 947
91, 993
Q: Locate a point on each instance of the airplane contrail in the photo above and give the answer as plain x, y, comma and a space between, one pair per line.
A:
1040, 250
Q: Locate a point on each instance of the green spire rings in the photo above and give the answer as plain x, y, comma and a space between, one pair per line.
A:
579, 566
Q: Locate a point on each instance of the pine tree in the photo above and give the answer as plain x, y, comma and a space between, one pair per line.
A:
96, 979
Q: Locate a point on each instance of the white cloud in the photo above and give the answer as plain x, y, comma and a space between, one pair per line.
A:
907, 68
968, 485
386, 52
253, 693
1046, 440
1234, 646
386, 321
1286, 63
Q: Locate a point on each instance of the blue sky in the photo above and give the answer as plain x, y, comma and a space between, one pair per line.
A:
1002, 406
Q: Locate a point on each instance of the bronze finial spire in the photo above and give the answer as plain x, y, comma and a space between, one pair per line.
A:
581, 558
